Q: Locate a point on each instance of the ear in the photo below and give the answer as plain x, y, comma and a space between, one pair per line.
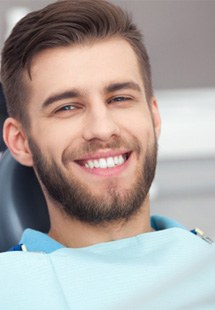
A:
16, 140
156, 116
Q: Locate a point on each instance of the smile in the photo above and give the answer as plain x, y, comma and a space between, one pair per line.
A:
105, 163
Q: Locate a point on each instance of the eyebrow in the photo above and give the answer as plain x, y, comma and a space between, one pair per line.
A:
125, 85
76, 94
57, 97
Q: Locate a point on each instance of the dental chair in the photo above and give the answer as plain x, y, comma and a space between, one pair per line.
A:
22, 204
3, 116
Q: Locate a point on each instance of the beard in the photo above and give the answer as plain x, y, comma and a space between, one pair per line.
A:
74, 197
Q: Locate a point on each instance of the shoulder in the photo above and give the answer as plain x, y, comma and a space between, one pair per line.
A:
28, 280
21, 263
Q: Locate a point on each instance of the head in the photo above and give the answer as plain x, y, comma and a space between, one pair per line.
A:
63, 23
77, 81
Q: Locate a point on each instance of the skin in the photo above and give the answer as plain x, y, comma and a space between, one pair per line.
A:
95, 113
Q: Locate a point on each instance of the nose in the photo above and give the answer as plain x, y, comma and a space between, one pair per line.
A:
100, 124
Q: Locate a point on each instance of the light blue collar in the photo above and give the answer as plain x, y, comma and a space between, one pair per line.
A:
36, 241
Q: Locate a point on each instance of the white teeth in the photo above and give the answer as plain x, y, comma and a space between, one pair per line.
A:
110, 162
96, 163
91, 164
121, 160
104, 163
116, 160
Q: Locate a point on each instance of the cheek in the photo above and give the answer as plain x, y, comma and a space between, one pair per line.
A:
54, 136
139, 125
51, 146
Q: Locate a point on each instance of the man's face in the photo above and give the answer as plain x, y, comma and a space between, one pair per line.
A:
92, 134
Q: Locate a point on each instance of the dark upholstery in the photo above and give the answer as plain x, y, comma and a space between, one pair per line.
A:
3, 116
22, 203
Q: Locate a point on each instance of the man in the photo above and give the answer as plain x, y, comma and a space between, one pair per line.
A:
77, 80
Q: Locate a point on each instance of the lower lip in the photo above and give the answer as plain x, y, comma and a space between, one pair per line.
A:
107, 171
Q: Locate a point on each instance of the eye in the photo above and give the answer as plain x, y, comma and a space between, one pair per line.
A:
66, 108
119, 99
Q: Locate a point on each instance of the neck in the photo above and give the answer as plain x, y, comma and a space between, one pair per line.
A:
73, 233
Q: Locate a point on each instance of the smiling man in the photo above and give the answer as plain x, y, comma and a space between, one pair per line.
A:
101, 169
77, 80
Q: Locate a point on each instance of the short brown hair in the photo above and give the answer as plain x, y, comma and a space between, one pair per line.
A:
63, 23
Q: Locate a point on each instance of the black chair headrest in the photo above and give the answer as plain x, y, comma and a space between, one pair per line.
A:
22, 204
3, 116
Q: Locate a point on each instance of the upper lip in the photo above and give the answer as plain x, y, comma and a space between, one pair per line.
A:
103, 154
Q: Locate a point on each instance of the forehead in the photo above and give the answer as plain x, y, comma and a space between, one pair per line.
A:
87, 66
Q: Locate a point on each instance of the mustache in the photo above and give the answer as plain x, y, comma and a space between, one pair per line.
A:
116, 143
